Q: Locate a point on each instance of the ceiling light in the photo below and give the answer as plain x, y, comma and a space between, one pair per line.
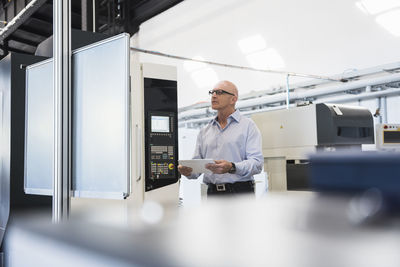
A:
205, 77
266, 59
390, 21
252, 44
377, 6
361, 6
193, 65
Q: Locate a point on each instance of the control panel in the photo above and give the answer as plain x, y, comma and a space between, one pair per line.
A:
387, 136
161, 138
162, 144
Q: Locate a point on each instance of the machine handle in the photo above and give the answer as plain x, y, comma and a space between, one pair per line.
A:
138, 134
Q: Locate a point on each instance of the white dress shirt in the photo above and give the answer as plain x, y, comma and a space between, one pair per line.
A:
239, 142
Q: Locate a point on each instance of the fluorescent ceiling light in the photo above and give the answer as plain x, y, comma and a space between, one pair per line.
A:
377, 6
205, 77
266, 59
252, 44
193, 65
390, 21
362, 8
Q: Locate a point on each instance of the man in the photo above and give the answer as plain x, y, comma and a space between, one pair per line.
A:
233, 141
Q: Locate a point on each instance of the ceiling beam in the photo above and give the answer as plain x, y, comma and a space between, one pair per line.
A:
44, 18
20, 18
32, 30
11, 49
23, 40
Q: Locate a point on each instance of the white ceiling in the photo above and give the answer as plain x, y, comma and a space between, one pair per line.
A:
319, 37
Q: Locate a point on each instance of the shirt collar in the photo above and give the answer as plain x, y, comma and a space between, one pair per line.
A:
235, 115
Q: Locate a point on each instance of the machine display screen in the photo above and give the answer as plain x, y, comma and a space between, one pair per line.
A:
391, 137
160, 124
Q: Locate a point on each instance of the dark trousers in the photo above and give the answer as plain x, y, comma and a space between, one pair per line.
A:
230, 189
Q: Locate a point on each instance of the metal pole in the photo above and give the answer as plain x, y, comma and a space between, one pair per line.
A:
94, 15
287, 91
62, 108
384, 107
378, 101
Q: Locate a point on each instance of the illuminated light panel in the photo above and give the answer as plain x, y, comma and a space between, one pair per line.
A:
266, 59
390, 21
205, 77
362, 8
193, 65
252, 44
377, 6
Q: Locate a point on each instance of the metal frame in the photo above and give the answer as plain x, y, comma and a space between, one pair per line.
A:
78, 193
62, 109
33, 191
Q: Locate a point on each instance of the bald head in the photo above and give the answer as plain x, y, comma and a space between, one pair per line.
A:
225, 102
227, 86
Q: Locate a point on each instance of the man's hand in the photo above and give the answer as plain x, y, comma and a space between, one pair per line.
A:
184, 170
220, 166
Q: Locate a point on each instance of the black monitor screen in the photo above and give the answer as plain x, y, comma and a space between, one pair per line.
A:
391, 137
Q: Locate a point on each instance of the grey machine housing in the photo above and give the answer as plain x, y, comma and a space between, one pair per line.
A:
343, 125
290, 135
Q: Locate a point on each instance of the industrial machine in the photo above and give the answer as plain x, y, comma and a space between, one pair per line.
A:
12, 106
387, 137
158, 131
290, 135
13, 187
124, 132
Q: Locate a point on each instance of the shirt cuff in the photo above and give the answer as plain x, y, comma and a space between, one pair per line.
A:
193, 176
240, 166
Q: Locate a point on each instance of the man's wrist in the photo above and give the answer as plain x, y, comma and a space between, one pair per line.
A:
232, 170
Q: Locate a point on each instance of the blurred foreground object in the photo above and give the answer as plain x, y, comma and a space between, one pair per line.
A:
281, 229
357, 172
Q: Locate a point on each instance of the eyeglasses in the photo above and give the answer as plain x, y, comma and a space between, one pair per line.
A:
219, 92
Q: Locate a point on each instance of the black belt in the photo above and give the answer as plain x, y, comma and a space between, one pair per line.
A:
238, 187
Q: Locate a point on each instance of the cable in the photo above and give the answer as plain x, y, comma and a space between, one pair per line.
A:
156, 53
